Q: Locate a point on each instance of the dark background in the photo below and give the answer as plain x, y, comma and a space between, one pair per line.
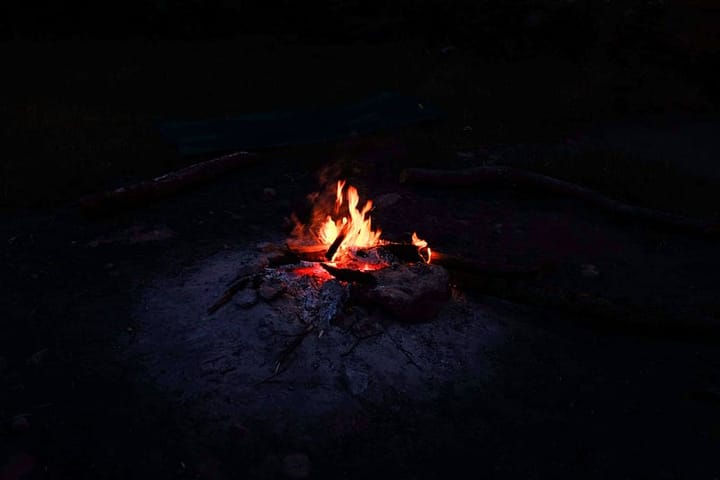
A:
84, 85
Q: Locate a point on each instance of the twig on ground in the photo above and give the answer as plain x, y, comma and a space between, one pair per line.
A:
404, 351
280, 364
231, 291
358, 341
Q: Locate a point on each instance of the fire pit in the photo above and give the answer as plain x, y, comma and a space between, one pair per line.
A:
327, 321
340, 243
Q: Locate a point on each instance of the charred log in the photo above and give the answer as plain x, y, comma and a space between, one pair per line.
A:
350, 275
336, 244
405, 252
518, 178
487, 267
163, 186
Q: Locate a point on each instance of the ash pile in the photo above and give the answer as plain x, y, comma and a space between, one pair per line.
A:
293, 341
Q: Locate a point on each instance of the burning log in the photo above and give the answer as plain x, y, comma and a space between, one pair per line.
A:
308, 253
164, 185
338, 241
350, 275
516, 177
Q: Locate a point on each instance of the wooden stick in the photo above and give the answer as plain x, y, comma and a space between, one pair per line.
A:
231, 291
163, 186
519, 178
338, 241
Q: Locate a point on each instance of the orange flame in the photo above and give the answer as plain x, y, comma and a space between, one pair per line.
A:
422, 244
357, 228
346, 228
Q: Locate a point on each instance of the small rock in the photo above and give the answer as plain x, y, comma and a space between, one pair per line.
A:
246, 298
589, 271
269, 193
271, 289
356, 380
296, 465
19, 424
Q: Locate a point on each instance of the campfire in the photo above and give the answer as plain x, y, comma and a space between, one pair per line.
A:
340, 244
343, 235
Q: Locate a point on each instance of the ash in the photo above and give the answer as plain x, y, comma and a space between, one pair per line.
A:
294, 348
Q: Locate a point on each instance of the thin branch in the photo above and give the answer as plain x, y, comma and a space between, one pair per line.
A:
404, 351
280, 364
358, 341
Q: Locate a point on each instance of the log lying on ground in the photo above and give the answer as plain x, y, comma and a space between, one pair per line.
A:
163, 186
407, 252
597, 311
518, 178
497, 267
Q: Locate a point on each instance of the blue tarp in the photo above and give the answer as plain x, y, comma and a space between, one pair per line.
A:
274, 129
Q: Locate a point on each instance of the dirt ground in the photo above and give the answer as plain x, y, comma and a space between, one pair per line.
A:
551, 393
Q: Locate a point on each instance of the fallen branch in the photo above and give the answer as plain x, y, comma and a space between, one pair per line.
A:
597, 311
285, 354
239, 284
495, 267
404, 351
163, 186
358, 341
518, 178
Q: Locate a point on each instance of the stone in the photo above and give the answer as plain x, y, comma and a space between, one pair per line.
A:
246, 298
413, 293
295, 465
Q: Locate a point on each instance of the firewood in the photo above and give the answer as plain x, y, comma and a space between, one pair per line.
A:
349, 275
338, 241
595, 310
518, 178
308, 253
497, 267
405, 252
163, 186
